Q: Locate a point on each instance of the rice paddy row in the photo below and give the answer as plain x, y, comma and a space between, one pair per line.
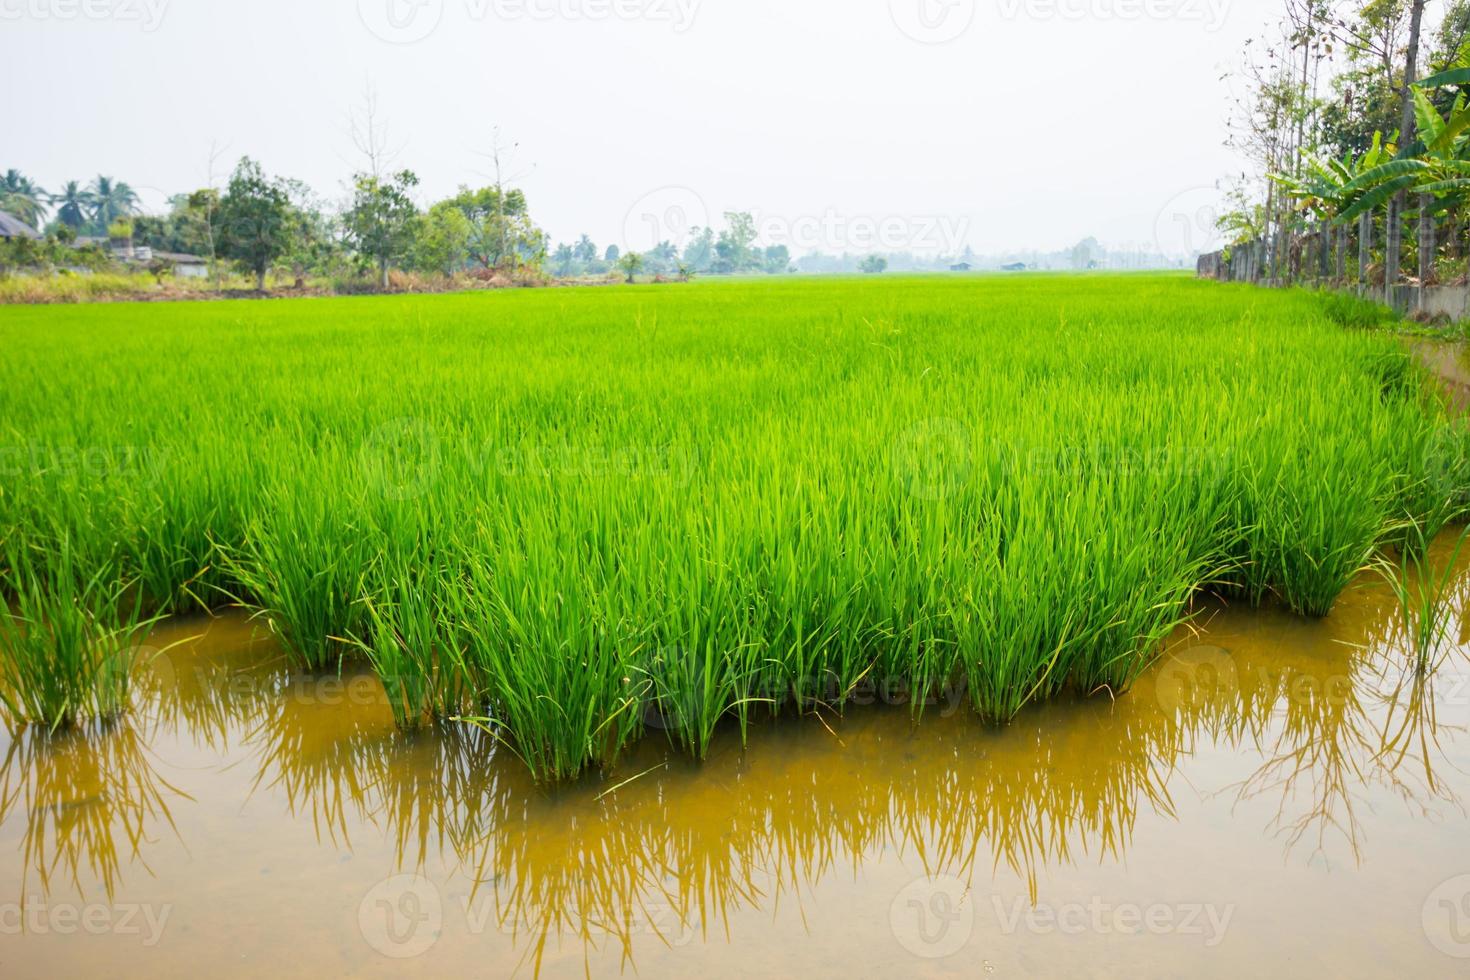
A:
578, 516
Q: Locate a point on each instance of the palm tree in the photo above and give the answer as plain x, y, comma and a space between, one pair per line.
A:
74, 204
111, 200
20, 196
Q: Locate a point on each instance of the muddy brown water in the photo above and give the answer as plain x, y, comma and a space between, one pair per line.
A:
1276, 795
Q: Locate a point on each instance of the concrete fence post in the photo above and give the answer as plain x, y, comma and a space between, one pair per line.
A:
1324, 250
1365, 246
1392, 244
1426, 248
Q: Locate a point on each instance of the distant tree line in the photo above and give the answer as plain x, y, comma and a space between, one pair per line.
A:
261, 224
731, 251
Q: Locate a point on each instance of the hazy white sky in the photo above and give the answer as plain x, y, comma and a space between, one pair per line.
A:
865, 124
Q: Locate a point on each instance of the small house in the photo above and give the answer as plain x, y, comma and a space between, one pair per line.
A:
12, 227
185, 266
960, 267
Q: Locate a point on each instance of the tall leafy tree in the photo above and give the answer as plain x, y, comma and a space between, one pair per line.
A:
777, 259
110, 200
699, 254
501, 230
631, 264
564, 259
736, 245
585, 251
254, 220
381, 220
441, 244
73, 205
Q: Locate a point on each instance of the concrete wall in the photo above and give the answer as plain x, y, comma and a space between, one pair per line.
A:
1447, 302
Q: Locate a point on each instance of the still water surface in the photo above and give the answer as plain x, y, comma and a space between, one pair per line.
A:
1278, 795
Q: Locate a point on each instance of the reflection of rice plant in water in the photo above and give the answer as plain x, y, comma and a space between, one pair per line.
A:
1425, 595
91, 800
69, 642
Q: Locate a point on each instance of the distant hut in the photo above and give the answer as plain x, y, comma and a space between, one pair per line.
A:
184, 266
12, 227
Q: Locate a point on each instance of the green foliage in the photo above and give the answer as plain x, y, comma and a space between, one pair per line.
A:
22, 198
873, 264
255, 220
631, 264
109, 200
1356, 313
442, 243
735, 249
1424, 593
499, 227
69, 642
382, 219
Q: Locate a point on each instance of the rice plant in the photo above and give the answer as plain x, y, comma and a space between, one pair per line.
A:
1425, 594
69, 644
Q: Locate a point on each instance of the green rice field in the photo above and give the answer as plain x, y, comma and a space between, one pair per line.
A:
581, 517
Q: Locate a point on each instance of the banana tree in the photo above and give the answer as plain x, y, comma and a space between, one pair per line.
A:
1329, 190
1448, 181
